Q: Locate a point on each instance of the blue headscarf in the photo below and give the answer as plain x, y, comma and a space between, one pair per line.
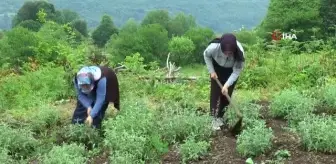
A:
84, 76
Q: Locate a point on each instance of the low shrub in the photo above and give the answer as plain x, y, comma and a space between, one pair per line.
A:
287, 100
318, 133
192, 149
255, 140
20, 143
72, 153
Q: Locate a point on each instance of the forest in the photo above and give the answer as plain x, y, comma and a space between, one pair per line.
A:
205, 13
286, 91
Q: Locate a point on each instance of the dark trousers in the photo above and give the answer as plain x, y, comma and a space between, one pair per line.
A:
80, 115
218, 102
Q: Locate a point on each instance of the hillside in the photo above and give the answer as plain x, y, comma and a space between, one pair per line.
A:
219, 15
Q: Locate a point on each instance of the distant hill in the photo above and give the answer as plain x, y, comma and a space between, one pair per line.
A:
220, 15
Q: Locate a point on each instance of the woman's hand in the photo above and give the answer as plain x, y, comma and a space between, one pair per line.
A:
225, 89
214, 75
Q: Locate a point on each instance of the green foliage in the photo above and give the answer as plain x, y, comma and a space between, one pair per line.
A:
182, 49
66, 16
254, 141
155, 39
192, 150
160, 17
104, 31
297, 15
80, 26
289, 100
45, 117
17, 46
31, 25
329, 96
19, 91
80, 134
180, 24
31, 10
201, 37
329, 18
4, 157
318, 134
135, 63
72, 153
20, 143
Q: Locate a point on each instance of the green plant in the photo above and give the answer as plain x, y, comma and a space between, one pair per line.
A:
72, 153
329, 96
254, 141
317, 133
46, 117
192, 149
80, 134
20, 143
287, 100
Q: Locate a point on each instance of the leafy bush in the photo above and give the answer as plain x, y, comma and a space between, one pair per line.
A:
4, 157
318, 133
80, 134
329, 96
20, 143
192, 150
46, 117
287, 100
254, 141
46, 84
176, 124
182, 49
72, 153
130, 131
250, 111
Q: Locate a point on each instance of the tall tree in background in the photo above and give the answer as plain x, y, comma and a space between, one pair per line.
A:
288, 14
328, 15
157, 17
30, 9
180, 24
66, 16
104, 31
80, 26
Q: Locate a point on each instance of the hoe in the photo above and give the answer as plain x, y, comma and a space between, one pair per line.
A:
236, 128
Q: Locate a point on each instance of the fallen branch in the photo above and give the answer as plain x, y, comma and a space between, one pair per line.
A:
120, 68
168, 78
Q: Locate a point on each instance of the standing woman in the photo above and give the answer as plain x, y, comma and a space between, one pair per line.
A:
224, 58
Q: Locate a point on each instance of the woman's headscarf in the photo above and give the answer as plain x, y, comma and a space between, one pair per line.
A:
84, 76
228, 43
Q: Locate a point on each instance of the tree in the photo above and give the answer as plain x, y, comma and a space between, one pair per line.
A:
31, 25
155, 37
287, 14
80, 26
30, 10
180, 24
328, 15
201, 38
157, 17
182, 49
66, 16
104, 31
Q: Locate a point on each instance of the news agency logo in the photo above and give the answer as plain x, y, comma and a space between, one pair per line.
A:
277, 35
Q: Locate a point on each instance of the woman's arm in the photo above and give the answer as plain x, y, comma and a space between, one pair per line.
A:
100, 97
208, 58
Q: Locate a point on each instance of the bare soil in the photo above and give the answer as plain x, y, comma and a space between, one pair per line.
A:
223, 148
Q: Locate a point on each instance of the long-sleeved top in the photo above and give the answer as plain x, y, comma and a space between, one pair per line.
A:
213, 51
98, 98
